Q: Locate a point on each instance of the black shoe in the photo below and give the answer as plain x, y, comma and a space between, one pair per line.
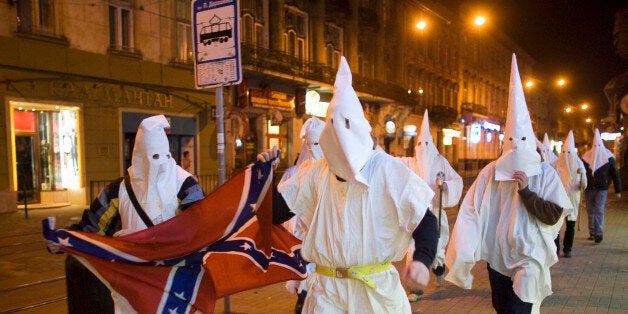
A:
598, 239
300, 300
567, 254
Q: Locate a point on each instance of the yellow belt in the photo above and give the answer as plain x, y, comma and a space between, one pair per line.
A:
358, 272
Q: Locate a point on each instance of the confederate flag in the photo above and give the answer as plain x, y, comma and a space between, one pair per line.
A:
223, 244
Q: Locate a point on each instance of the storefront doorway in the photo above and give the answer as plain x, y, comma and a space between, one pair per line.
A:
45, 148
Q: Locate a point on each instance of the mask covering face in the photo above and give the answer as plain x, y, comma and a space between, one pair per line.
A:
519, 145
346, 138
311, 133
425, 149
567, 163
153, 170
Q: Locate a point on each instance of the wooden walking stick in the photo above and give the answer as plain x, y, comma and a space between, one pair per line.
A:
440, 179
580, 170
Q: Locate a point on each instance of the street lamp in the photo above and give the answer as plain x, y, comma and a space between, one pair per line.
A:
561, 82
479, 20
529, 84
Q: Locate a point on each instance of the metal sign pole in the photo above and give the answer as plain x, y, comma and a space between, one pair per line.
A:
221, 136
220, 128
217, 61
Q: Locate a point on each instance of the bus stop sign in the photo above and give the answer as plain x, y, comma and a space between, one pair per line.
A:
217, 57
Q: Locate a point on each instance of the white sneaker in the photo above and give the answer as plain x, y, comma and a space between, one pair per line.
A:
415, 295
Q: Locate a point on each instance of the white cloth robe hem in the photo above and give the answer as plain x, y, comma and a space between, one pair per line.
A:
510, 239
451, 197
376, 226
571, 182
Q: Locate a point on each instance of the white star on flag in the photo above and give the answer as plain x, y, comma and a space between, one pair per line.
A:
245, 246
65, 242
180, 295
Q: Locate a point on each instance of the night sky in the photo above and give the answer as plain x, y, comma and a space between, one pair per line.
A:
572, 38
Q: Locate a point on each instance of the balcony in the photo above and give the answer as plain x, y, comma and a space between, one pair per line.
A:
266, 60
442, 115
474, 108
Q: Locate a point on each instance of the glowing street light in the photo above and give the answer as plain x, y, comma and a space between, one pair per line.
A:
561, 82
588, 120
568, 109
479, 20
529, 84
584, 106
421, 25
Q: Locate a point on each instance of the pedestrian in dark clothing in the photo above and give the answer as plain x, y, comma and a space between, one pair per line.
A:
601, 169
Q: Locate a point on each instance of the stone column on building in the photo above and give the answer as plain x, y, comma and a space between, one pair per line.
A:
317, 48
351, 35
276, 20
380, 42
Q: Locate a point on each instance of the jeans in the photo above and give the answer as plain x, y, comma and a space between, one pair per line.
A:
503, 296
596, 200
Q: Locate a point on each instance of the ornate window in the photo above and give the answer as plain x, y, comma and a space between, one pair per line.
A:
254, 22
184, 44
37, 17
121, 25
333, 43
296, 34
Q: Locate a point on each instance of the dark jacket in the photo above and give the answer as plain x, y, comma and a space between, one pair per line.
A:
601, 179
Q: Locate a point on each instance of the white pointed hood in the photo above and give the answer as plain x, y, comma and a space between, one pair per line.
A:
425, 149
153, 171
598, 155
567, 163
346, 138
549, 154
519, 145
310, 134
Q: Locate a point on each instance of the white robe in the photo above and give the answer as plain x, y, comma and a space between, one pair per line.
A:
571, 182
494, 225
451, 197
350, 225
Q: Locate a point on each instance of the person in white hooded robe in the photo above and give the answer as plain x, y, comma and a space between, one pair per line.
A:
310, 152
361, 207
161, 189
446, 183
601, 170
572, 174
510, 217
545, 149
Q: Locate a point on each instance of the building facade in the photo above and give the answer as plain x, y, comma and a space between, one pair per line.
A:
76, 78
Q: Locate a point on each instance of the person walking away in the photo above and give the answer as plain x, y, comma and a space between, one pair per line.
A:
601, 169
